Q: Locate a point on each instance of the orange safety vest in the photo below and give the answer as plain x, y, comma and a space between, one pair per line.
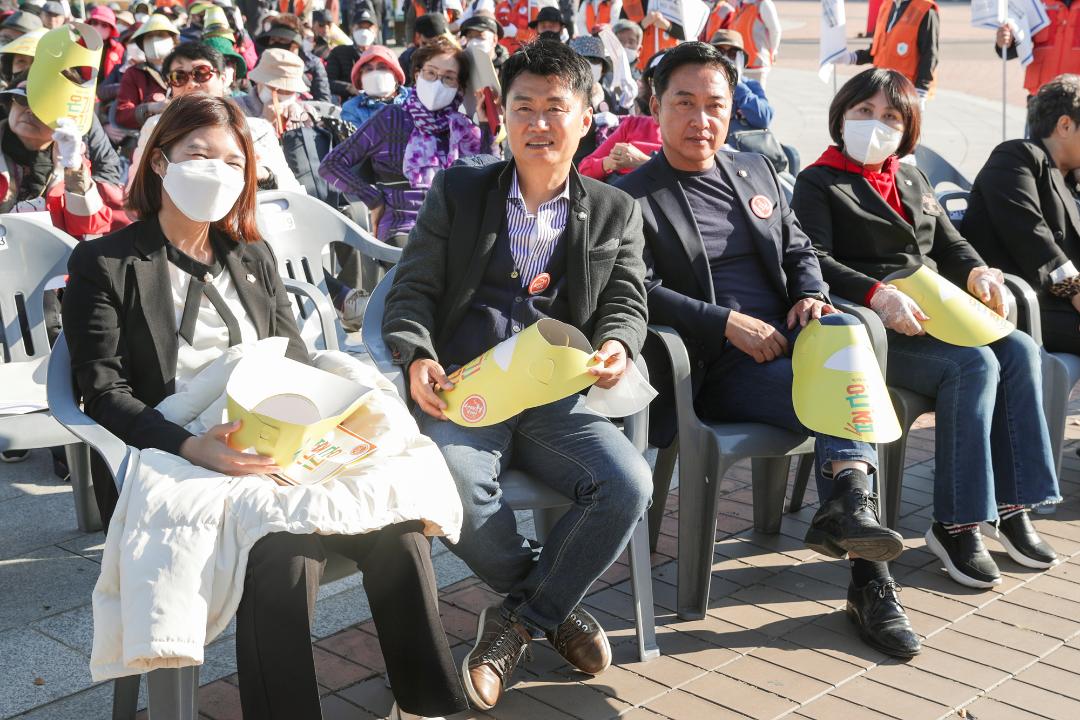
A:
719, 19
898, 49
1057, 46
654, 41
746, 16
518, 13
594, 18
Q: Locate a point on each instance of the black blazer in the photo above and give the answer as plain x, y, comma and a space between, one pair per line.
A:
451, 244
1022, 217
860, 239
121, 325
678, 278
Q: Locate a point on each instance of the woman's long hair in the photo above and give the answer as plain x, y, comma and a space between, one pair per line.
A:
183, 115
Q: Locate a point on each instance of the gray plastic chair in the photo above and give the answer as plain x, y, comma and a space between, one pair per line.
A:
706, 451
309, 237
32, 254
939, 170
523, 492
173, 694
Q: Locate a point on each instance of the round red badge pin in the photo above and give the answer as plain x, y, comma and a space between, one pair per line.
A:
761, 206
539, 284
473, 409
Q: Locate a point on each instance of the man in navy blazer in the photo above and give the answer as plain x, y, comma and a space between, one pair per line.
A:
730, 269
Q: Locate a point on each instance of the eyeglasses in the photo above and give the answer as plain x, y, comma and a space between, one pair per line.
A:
20, 100
431, 75
180, 78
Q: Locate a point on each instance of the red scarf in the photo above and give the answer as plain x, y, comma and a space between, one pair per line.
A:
884, 180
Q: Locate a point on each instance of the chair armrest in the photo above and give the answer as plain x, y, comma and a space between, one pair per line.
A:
65, 408
687, 419
370, 246
1027, 307
874, 328
636, 426
327, 315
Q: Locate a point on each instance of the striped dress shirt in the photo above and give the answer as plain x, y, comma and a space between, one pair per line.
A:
533, 238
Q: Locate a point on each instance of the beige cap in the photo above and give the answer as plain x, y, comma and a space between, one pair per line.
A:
280, 69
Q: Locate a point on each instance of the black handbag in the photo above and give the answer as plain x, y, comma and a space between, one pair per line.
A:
762, 142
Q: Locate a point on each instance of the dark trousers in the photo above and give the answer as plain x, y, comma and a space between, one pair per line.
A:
273, 624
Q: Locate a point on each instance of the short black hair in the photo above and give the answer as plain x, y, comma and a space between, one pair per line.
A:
1060, 96
692, 53
194, 50
549, 59
898, 91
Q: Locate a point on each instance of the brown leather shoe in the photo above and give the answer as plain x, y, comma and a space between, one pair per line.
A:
582, 642
486, 669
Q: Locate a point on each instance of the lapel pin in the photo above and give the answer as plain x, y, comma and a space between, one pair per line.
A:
741, 173
907, 182
761, 206
581, 216
250, 278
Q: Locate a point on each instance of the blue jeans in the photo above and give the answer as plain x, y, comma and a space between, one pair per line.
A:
739, 389
577, 453
991, 441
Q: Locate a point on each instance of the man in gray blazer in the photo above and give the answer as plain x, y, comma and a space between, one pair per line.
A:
495, 249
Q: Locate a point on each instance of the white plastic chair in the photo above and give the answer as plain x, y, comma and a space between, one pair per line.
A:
523, 492
32, 254
173, 693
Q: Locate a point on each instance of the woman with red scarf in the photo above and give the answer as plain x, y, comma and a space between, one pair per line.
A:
870, 215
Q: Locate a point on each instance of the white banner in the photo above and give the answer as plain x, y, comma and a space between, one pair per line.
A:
988, 13
689, 16
1025, 17
833, 37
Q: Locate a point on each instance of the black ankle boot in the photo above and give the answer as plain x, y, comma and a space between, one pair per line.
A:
847, 523
877, 613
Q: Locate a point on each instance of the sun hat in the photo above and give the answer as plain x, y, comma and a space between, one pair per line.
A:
280, 69
225, 46
590, 46
156, 23
25, 44
105, 15
22, 20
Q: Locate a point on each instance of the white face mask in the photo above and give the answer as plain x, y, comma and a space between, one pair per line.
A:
486, 45
378, 83
869, 142
204, 190
363, 37
597, 71
141, 18
266, 94
157, 49
433, 94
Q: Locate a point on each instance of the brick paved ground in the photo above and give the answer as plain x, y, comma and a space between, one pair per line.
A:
775, 642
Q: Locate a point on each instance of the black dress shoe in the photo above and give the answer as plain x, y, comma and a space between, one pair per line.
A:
964, 556
880, 618
1020, 539
848, 523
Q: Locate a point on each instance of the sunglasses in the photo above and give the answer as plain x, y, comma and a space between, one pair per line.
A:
180, 78
20, 100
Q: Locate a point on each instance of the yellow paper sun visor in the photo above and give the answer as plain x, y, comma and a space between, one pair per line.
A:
24, 44
547, 361
956, 317
285, 405
838, 389
63, 79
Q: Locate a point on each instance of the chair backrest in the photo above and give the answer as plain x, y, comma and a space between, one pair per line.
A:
955, 204
938, 169
64, 405
300, 230
31, 255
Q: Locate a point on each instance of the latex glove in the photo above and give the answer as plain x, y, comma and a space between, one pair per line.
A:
922, 98
605, 119
988, 285
898, 311
69, 143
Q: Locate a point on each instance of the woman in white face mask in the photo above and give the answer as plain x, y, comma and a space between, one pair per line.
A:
277, 82
378, 81
870, 217
143, 90
407, 144
206, 282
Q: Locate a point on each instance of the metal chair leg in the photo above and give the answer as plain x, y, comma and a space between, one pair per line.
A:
641, 583
802, 477
665, 467
173, 694
125, 697
87, 516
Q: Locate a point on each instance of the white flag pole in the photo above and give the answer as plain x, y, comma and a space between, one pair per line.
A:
1004, 90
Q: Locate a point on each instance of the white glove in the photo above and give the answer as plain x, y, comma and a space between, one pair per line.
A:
69, 143
510, 30
898, 311
605, 119
988, 285
848, 59
922, 98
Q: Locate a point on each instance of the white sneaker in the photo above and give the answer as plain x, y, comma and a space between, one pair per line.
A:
352, 313
397, 713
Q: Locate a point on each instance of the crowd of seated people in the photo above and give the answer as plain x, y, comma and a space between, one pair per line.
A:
596, 183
